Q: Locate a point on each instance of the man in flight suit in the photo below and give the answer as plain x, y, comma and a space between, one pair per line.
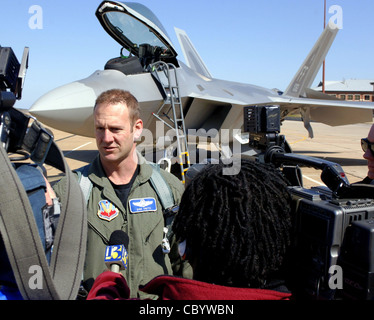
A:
122, 197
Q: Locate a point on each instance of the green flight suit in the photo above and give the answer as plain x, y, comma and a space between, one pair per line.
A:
145, 229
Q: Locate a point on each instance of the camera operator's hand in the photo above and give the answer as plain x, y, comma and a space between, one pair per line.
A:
49, 194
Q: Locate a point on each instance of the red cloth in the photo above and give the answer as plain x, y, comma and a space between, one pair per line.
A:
113, 286
109, 286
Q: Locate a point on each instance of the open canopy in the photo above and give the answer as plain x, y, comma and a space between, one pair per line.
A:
135, 28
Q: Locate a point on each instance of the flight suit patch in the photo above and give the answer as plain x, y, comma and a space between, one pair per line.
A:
107, 211
143, 205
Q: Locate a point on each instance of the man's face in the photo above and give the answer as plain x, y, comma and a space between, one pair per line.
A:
115, 135
369, 156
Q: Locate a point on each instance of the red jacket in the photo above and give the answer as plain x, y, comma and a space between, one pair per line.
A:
113, 286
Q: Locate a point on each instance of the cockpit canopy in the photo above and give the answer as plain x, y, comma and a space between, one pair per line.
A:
136, 29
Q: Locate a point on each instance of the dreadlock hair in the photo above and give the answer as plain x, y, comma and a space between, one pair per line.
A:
237, 227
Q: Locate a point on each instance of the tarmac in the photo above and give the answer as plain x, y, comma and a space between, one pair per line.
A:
337, 144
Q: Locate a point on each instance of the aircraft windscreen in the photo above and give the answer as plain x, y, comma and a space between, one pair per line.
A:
130, 29
144, 11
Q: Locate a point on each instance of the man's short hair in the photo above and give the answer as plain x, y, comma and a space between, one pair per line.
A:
115, 96
237, 228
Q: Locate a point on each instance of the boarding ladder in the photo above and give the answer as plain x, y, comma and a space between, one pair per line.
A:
171, 111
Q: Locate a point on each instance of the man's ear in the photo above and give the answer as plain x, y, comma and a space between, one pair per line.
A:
138, 129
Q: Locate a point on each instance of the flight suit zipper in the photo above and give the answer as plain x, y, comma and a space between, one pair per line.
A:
105, 240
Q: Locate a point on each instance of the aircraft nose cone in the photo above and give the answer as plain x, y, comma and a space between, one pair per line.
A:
69, 96
67, 108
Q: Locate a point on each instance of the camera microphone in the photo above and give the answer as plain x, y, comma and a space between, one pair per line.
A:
116, 257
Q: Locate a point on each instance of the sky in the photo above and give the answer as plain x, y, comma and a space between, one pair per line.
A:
257, 42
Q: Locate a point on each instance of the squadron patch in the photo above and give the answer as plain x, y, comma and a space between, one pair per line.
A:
142, 205
107, 211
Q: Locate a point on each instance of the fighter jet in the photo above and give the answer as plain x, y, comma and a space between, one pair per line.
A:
185, 96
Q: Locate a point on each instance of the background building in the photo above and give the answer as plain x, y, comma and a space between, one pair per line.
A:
350, 90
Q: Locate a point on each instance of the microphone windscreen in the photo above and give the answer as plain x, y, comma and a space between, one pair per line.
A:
119, 237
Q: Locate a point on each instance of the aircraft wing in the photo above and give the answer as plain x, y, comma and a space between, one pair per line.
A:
330, 112
229, 95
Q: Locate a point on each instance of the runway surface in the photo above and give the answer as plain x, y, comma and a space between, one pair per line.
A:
336, 144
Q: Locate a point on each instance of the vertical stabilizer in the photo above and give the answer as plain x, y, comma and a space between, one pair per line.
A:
308, 71
191, 55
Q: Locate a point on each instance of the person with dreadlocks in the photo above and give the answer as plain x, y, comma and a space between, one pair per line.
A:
235, 231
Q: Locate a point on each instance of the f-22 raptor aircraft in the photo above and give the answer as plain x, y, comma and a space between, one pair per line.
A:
186, 97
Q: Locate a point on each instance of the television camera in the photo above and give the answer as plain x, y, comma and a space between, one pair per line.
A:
334, 224
16, 134
23, 197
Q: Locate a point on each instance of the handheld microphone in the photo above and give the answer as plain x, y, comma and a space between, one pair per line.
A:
116, 257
